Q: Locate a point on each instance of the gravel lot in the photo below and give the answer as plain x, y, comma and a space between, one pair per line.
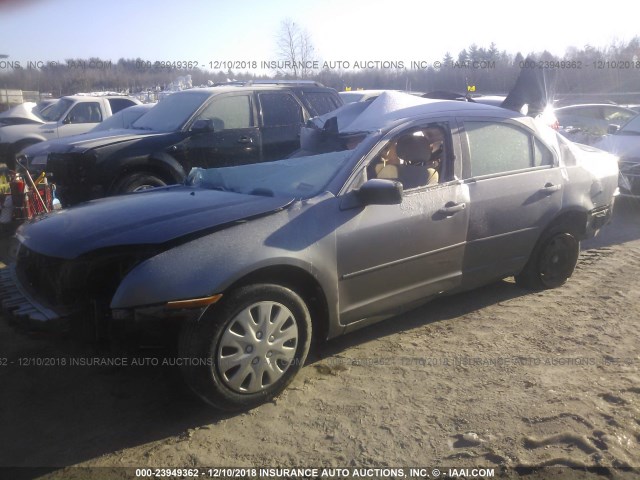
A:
498, 377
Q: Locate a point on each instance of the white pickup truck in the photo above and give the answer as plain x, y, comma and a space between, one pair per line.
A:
68, 116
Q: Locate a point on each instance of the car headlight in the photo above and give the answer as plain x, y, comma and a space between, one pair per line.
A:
39, 161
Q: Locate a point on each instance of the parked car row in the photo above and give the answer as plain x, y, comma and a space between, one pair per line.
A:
625, 143
612, 128
68, 116
588, 123
200, 127
386, 205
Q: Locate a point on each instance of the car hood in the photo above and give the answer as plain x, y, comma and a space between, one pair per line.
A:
85, 141
152, 217
24, 111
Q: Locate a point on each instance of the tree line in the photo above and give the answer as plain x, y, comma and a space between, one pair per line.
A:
607, 70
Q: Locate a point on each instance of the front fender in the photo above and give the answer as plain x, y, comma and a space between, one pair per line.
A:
110, 170
211, 264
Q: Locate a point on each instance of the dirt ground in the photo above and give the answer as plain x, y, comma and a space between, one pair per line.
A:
499, 377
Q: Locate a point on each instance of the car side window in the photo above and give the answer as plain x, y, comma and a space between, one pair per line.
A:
542, 155
85, 112
321, 102
280, 109
414, 158
501, 147
118, 104
228, 112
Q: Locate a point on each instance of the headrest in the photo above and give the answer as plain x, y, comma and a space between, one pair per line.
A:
414, 149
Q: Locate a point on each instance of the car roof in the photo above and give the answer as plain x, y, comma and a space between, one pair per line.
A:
241, 88
392, 107
366, 92
588, 105
489, 99
93, 97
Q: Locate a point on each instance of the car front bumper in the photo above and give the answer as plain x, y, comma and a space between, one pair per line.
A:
152, 324
22, 309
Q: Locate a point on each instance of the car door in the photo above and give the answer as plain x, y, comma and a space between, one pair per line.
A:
82, 117
515, 186
281, 119
391, 256
235, 139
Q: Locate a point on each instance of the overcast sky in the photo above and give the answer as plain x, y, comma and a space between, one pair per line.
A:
353, 30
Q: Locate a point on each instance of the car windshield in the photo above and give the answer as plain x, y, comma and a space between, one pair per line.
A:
351, 97
301, 177
172, 112
122, 119
55, 112
632, 126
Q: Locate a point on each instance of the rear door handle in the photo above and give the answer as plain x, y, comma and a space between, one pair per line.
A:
245, 140
452, 208
550, 188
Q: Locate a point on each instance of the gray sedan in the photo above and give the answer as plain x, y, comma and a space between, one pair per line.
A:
395, 202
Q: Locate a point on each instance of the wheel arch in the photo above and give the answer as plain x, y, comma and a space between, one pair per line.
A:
301, 282
575, 220
167, 169
26, 142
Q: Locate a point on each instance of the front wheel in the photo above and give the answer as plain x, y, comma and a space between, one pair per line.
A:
137, 182
552, 262
246, 350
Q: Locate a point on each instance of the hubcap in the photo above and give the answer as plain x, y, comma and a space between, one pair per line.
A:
143, 187
257, 347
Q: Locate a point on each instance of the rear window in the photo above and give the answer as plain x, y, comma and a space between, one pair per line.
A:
497, 148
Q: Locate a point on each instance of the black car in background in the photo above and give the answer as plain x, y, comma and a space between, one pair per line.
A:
201, 127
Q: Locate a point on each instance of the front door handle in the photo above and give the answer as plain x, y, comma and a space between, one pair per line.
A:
244, 139
452, 208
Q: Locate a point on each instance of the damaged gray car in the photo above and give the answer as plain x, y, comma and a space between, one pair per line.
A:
389, 203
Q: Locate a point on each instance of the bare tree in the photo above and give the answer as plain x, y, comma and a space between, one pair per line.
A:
295, 50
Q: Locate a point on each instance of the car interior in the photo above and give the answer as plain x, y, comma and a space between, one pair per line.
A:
414, 159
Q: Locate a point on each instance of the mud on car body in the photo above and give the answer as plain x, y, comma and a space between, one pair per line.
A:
254, 261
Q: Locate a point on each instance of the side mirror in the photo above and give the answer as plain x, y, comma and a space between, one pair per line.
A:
68, 119
379, 191
613, 128
203, 125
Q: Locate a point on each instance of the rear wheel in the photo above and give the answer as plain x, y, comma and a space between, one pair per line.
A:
246, 350
136, 182
552, 262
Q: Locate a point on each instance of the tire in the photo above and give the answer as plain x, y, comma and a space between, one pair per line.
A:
552, 261
136, 182
228, 330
